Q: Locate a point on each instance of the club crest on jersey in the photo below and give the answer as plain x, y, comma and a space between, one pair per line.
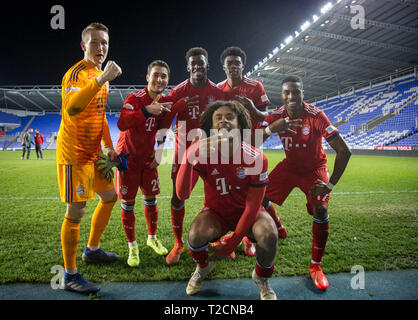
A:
211, 99
123, 190
305, 131
80, 190
241, 172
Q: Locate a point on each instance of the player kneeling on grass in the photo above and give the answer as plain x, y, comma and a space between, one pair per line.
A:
235, 178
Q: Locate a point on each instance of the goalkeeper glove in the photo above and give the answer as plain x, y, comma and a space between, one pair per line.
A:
105, 165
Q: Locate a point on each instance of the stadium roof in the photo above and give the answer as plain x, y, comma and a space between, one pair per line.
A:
331, 51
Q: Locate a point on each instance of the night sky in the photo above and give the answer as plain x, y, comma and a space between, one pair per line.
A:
32, 53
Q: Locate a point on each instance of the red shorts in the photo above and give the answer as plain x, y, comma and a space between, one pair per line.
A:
283, 180
137, 176
227, 222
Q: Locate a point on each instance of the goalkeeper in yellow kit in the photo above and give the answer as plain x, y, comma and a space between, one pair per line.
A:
83, 127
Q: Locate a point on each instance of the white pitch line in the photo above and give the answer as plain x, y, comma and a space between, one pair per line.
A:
202, 196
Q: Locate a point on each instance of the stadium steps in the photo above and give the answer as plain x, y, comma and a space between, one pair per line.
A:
379, 96
23, 130
382, 118
51, 139
406, 137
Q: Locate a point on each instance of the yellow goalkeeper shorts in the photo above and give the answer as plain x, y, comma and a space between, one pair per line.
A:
79, 183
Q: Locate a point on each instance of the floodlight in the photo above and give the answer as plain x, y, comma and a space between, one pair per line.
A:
288, 39
326, 8
304, 26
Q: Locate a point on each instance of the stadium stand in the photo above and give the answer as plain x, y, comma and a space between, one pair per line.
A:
384, 115
48, 125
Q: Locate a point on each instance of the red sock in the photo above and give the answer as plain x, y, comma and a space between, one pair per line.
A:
272, 212
151, 216
320, 236
200, 255
263, 271
128, 220
177, 217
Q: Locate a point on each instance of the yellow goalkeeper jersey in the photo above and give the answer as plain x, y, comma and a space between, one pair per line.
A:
80, 135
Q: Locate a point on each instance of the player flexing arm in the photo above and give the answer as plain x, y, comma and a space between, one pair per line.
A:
77, 101
83, 128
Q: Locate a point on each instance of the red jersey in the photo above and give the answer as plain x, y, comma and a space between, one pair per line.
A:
138, 127
226, 184
304, 150
250, 88
39, 138
189, 117
234, 187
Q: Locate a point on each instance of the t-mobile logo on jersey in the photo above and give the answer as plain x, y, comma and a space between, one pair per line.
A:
149, 124
221, 186
194, 112
287, 143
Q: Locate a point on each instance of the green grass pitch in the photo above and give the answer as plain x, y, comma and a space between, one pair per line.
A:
373, 223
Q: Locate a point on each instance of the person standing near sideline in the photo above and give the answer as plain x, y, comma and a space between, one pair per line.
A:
26, 144
39, 140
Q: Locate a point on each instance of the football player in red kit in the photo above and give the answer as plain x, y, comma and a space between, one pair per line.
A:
235, 178
198, 92
301, 127
238, 87
140, 119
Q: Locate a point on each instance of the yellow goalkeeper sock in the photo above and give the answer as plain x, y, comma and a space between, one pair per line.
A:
70, 234
100, 220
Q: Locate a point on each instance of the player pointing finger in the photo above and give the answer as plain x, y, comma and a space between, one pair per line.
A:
156, 108
285, 124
